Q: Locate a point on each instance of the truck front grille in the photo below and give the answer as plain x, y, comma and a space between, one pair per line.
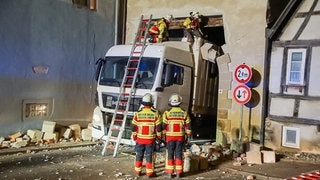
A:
110, 101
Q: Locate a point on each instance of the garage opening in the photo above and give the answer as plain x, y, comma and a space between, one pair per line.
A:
211, 27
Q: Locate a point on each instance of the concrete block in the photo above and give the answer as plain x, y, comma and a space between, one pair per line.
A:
269, 156
224, 59
254, 157
86, 134
48, 126
65, 133
223, 84
254, 147
35, 135
51, 136
207, 52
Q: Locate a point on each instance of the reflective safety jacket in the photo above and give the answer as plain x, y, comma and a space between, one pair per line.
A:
191, 23
176, 123
146, 125
159, 28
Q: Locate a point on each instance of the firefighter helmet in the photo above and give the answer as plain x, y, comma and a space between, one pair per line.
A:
169, 18
147, 100
194, 14
175, 100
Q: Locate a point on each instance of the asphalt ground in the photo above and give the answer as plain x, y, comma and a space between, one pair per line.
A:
282, 169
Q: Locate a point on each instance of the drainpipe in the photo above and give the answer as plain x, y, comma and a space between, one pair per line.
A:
265, 91
116, 16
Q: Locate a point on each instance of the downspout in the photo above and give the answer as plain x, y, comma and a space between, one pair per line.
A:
265, 92
116, 19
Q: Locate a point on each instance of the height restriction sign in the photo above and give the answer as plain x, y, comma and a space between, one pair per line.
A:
242, 94
242, 73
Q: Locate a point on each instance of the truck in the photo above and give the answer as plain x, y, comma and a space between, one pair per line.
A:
165, 68
129, 71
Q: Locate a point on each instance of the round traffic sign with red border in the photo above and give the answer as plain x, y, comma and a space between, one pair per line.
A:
242, 94
242, 73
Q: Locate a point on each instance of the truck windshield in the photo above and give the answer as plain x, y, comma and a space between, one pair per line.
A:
113, 71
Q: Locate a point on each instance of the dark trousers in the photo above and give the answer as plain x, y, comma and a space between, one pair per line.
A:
147, 151
174, 159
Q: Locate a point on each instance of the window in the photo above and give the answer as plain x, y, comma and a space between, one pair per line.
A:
37, 109
296, 67
172, 74
291, 137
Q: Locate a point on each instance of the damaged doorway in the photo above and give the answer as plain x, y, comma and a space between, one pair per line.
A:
204, 127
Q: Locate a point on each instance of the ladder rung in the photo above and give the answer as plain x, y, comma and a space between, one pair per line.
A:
134, 60
127, 85
138, 44
140, 37
132, 68
113, 139
142, 28
118, 120
145, 20
130, 77
123, 102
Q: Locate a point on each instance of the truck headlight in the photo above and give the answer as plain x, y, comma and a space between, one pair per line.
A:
96, 119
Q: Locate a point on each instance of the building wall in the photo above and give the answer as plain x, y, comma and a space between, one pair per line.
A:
244, 26
291, 106
48, 51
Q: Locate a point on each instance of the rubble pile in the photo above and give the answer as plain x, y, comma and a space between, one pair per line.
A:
50, 133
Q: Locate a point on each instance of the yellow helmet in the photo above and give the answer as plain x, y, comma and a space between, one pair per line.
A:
175, 100
147, 100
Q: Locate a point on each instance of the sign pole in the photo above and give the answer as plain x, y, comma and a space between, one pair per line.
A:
241, 119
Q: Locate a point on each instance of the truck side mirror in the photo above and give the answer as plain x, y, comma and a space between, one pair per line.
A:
99, 62
168, 78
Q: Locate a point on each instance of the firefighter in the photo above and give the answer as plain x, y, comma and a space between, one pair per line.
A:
176, 124
192, 27
159, 30
146, 128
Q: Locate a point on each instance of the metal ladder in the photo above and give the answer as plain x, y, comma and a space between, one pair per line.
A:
118, 122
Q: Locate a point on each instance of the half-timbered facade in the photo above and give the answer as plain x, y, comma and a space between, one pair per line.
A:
293, 56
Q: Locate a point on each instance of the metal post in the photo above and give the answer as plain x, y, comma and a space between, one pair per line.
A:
241, 118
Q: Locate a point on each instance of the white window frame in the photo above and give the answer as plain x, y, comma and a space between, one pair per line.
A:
302, 68
285, 143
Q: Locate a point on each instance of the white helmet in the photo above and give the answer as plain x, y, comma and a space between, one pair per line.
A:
169, 18
194, 14
147, 100
175, 100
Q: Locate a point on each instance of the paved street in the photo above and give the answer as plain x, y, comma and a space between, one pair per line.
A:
85, 163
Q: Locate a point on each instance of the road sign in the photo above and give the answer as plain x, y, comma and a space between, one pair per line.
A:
242, 94
242, 73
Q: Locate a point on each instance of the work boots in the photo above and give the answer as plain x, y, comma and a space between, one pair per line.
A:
179, 175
